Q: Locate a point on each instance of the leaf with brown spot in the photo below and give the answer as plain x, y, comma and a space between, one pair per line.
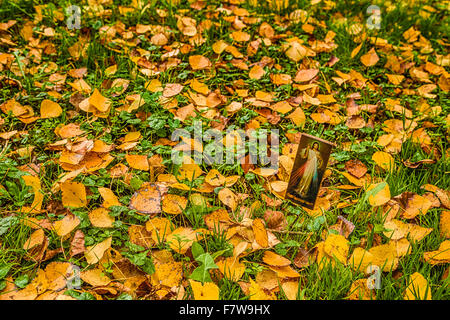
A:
73, 194
146, 200
174, 204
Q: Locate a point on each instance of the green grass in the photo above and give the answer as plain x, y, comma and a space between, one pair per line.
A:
326, 283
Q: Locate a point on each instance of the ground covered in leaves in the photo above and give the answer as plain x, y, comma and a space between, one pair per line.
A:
94, 207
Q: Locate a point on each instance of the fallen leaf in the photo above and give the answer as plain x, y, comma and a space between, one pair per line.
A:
274, 259
260, 233
100, 218
418, 288
50, 109
174, 204
370, 58
66, 225
95, 252
73, 194
147, 200
378, 194
199, 62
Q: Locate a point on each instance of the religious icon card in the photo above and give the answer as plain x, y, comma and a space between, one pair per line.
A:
307, 173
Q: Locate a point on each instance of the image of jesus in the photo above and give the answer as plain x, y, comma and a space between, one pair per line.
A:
308, 174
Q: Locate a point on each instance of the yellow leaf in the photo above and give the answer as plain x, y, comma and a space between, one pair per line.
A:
360, 291
281, 107
384, 160
445, 223
397, 229
305, 75
295, 51
199, 87
385, 256
95, 277
189, 171
181, 239
109, 197
231, 268
260, 233
159, 228
206, 291
258, 293
413, 205
228, 198
94, 253
395, 79
99, 102
199, 62
379, 194
274, 259
139, 162
360, 259
418, 288
174, 204
336, 246
279, 186
73, 194
439, 256
66, 225
37, 238
50, 109
100, 218
146, 200
219, 46
154, 85
370, 58
215, 178
290, 289
35, 184
240, 36
256, 72
111, 70
298, 116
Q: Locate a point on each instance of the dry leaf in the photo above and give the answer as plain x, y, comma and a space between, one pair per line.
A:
95, 252
147, 200
418, 288
73, 194
50, 109
370, 58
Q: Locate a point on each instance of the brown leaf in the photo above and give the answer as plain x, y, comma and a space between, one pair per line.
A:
147, 200
275, 220
77, 244
303, 258
305, 75
356, 168
172, 89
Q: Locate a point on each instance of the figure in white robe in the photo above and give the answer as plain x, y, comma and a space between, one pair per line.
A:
307, 174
